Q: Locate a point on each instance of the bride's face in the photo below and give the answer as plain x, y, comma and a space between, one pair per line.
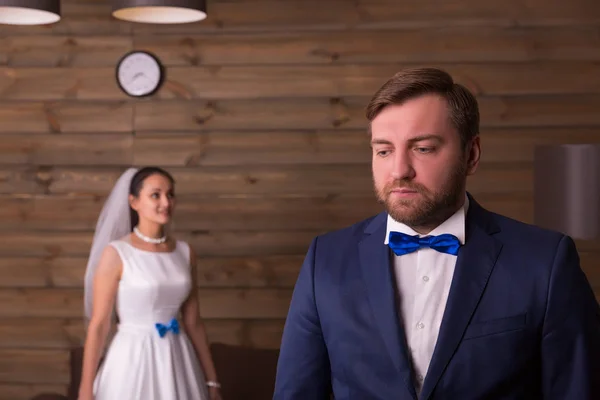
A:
156, 200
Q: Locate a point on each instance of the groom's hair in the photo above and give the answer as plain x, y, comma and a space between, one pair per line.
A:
414, 82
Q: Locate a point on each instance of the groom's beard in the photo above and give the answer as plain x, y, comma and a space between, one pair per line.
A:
428, 208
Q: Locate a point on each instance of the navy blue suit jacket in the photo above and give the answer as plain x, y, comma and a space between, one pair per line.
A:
521, 320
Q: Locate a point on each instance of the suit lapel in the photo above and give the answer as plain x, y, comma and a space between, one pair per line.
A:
476, 260
379, 279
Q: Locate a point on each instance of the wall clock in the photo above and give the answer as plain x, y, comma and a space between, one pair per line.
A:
139, 73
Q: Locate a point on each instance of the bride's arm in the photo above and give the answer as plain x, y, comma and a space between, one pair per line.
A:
106, 282
195, 327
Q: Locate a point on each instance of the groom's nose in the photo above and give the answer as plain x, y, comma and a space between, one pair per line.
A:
402, 166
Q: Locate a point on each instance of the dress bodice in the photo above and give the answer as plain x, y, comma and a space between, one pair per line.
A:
153, 285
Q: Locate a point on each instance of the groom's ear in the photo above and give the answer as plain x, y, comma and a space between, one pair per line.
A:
473, 155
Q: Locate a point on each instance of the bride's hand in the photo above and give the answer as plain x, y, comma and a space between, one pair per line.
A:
85, 396
215, 393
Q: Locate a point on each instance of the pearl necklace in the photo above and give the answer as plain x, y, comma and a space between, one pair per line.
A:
149, 239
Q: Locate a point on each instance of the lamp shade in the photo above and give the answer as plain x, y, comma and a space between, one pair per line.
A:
160, 11
29, 12
567, 189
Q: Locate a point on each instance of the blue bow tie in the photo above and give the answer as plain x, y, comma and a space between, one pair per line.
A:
401, 243
163, 329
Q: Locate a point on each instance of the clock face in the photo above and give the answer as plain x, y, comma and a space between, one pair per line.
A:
139, 74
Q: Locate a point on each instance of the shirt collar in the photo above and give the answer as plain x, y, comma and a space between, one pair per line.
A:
454, 225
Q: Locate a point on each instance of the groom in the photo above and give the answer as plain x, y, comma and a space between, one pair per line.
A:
437, 298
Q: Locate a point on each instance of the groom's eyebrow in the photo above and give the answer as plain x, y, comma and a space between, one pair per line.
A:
380, 141
429, 136
419, 138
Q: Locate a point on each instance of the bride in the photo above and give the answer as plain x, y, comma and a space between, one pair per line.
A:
159, 350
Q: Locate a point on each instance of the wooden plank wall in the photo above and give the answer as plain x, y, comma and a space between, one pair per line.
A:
261, 122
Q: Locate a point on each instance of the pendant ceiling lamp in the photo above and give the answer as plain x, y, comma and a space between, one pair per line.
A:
160, 11
29, 12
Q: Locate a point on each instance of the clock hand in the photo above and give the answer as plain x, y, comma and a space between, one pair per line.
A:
137, 76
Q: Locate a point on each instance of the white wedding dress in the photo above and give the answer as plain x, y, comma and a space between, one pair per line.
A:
139, 363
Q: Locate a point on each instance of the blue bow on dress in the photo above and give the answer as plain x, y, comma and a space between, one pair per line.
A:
401, 243
163, 329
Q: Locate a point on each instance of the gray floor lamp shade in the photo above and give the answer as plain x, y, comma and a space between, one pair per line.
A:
160, 11
567, 189
29, 12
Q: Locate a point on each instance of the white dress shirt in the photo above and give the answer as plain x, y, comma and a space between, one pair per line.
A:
423, 279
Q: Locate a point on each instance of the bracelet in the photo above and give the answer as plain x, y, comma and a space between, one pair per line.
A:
213, 384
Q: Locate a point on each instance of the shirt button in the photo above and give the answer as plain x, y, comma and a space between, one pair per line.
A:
426, 278
420, 378
420, 325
